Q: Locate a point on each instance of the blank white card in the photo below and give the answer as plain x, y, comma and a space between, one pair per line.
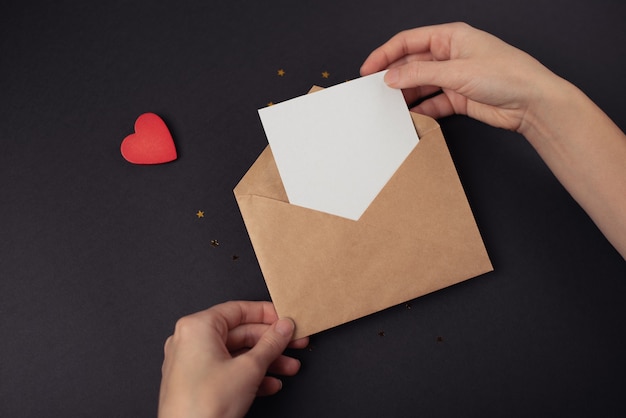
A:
335, 149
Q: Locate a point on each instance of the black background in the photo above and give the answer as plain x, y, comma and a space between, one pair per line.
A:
99, 257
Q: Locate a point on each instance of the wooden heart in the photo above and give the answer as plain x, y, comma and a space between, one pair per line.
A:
151, 143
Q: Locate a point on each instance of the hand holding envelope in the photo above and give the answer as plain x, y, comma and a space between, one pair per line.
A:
416, 236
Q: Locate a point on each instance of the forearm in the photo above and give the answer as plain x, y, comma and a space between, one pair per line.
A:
587, 153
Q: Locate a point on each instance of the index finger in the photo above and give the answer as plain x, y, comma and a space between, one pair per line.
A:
245, 312
224, 317
434, 40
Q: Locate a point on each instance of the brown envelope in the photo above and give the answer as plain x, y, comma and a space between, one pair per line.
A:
417, 236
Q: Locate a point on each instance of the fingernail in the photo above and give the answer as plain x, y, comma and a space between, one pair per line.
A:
285, 327
392, 76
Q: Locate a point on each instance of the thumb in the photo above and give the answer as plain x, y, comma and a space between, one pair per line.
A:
424, 73
273, 342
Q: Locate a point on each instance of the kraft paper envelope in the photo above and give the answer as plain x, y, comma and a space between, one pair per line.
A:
419, 235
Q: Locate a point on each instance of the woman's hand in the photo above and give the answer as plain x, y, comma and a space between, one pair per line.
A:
216, 362
478, 74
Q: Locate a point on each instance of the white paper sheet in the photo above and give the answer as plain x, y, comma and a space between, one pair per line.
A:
335, 149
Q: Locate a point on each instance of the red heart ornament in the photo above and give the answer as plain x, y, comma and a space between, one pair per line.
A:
151, 143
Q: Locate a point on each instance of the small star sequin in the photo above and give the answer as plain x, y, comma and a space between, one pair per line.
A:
235, 257
381, 333
440, 339
200, 214
270, 104
281, 72
325, 74
215, 243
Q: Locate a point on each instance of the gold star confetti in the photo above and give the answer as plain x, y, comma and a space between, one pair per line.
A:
281, 72
200, 214
381, 333
235, 257
325, 74
270, 104
215, 243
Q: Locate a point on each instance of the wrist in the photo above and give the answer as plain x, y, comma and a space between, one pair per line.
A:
550, 113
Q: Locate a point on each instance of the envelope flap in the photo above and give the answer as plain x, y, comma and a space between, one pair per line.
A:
263, 179
424, 124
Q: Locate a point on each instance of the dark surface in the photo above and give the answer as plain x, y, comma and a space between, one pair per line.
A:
98, 257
